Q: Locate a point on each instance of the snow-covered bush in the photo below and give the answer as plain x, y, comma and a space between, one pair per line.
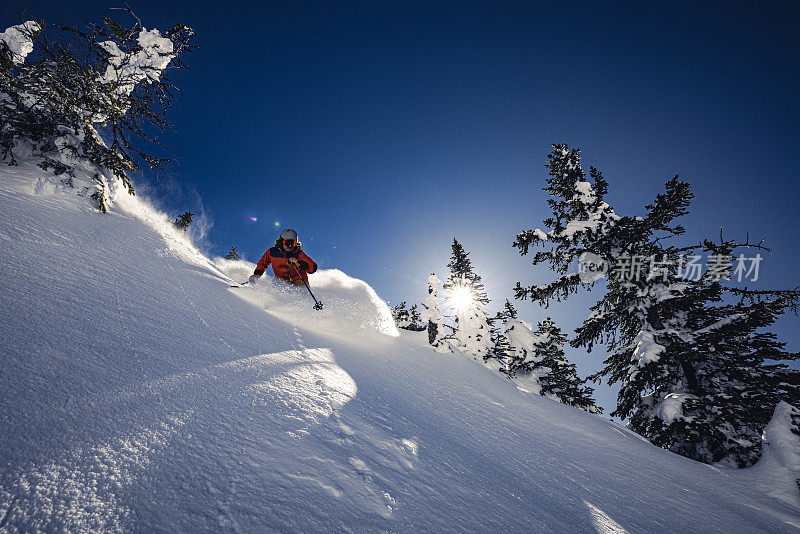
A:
693, 366
86, 99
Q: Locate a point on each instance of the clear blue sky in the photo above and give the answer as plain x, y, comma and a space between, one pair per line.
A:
381, 130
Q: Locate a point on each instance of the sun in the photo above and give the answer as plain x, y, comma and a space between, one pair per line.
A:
461, 298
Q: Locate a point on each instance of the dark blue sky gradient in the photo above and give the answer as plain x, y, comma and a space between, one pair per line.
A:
380, 130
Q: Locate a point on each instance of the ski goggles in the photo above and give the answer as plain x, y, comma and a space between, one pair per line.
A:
290, 242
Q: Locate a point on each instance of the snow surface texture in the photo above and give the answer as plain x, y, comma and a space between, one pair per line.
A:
141, 392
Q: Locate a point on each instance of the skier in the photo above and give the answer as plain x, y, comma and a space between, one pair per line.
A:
288, 261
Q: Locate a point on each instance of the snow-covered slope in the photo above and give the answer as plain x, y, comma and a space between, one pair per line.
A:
140, 392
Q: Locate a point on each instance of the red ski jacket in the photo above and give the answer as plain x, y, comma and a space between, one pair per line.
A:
279, 259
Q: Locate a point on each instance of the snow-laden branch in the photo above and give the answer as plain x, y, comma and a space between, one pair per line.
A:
127, 69
19, 40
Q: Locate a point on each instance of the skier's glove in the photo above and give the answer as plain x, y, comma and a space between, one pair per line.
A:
299, 264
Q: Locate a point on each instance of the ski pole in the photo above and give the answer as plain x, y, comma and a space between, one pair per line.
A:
317, 304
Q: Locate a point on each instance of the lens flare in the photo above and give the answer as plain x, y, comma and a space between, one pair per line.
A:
461, 298
254, 219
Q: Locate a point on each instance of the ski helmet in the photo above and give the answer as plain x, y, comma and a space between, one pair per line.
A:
289, 234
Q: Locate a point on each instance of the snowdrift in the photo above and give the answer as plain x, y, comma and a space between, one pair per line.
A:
779, 466
141, 392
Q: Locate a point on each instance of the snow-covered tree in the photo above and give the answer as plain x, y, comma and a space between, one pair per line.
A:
408, 319
466, 296
536, 361
400, 314
718, 413
499, 357
417, 324
431, 315
83, 102
692, 367
232, 254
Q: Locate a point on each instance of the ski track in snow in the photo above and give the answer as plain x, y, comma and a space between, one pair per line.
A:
141, 393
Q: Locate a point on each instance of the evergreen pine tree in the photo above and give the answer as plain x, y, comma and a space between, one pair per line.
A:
463, 275
465, 294
501, 349
557, 377
509, 311
400, 315
536, 362
416, 324
692, 368
720, 413
233, 254
183, 221
408, 319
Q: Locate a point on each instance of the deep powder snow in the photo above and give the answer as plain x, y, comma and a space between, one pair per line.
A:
140, 392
